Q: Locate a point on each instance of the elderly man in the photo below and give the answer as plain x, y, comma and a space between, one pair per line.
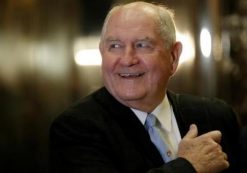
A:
134, 124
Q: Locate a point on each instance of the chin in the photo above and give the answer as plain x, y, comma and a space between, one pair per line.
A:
126, 93
126, 96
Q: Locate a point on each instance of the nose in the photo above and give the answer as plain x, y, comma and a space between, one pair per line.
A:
129, 57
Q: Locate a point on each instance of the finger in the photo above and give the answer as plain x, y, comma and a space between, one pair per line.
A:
226, 162
225, 156
192, 133
215, 135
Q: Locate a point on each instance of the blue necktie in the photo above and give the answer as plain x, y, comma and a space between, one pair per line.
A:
155, 137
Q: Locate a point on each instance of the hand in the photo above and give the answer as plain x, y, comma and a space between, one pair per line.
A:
203, 152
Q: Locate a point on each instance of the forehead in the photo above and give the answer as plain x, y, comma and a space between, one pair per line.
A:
132, 21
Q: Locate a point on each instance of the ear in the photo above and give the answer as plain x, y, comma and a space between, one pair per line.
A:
100, 46
176, 51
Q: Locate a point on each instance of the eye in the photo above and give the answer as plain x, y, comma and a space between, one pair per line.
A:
143, 45
114, 46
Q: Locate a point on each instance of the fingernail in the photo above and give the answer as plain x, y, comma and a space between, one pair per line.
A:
192, 126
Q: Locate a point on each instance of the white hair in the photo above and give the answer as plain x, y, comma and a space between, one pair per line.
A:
164, 18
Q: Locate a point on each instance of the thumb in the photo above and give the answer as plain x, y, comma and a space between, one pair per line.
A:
192, 133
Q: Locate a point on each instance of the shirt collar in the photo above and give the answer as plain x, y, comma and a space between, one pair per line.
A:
140, 115
162, 112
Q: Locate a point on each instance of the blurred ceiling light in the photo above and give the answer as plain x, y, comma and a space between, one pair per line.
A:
188, 51
86, 52
88, 57
205, 42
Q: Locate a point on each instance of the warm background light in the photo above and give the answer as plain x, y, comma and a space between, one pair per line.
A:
88, 57
188, 52
205, 42
86, 52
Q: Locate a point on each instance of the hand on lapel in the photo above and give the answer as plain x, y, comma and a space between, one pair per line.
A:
203, 152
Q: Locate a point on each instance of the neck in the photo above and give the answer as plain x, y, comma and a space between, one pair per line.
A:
143, 105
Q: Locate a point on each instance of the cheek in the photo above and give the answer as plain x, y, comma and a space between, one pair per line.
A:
105, 68
106, 64
160, 70
108, 69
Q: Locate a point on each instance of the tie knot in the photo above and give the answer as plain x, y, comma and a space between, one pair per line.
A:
150, 120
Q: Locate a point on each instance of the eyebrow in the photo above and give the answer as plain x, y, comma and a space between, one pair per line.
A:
148, 39
111, 39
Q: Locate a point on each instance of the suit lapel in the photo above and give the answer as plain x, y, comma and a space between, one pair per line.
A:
131, 126
189, 110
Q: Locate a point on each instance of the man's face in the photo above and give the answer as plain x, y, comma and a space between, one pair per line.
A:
136, 66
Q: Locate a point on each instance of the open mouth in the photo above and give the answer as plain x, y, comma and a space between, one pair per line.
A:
130, 75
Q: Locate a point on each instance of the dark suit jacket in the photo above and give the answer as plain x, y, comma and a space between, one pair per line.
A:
243, 144
100, 135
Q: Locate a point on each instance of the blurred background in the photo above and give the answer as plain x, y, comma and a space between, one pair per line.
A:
49, 59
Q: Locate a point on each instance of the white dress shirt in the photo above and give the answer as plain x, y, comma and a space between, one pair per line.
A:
169, 129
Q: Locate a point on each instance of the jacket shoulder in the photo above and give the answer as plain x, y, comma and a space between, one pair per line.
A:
210, 113
188, 101
87, 110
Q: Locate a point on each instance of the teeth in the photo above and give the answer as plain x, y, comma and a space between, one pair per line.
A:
130, 74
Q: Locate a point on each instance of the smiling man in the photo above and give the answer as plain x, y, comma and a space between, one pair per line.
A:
137, 62
134, 124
